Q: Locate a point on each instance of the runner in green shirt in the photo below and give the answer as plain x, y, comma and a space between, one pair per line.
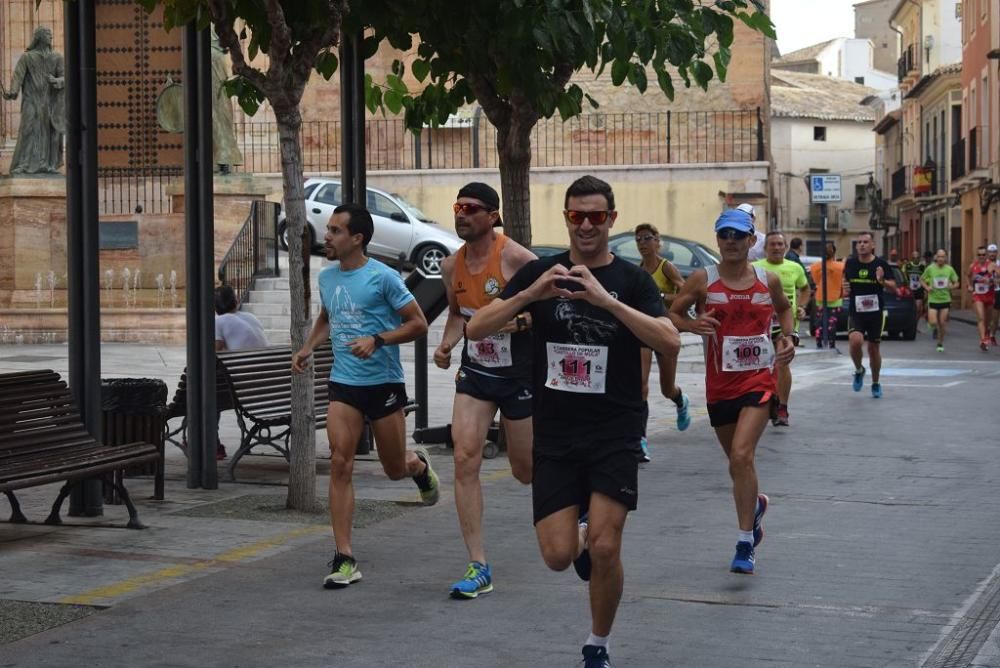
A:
796, 288
938, 279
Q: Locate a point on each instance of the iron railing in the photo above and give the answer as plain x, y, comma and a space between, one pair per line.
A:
254, 252
128, 190
906, 63
900, 182
637, 138
958, 159
978, 148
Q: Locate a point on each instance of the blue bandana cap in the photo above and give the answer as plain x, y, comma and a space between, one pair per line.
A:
735, 219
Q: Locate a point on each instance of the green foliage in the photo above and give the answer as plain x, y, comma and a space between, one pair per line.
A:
495, 51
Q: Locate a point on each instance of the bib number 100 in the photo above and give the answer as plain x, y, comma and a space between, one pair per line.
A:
747, 353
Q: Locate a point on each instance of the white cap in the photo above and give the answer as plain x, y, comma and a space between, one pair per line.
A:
992, 248
747, 208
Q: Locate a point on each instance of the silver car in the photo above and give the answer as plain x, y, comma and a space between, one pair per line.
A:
401, 229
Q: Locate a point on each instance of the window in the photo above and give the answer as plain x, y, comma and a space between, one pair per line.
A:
330, 194
860, 196
380, 205
819, 133
859, 80
310, 189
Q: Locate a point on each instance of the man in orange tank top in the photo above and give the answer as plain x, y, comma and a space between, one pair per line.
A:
735, 302
495, 371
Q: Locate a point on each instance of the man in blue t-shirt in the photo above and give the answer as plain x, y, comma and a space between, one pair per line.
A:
366, 313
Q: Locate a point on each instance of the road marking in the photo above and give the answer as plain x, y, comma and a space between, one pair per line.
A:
174, 571
935, 385
969, 628
925, 373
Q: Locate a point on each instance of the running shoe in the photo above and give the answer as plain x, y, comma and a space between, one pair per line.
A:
984, 345
427, 482
758, 518
859, 380
683, 414
582, 563
877, 390
743, 561
940, 349
993, 341
343, 571
781, 420
478, 580
644, 457
596, 657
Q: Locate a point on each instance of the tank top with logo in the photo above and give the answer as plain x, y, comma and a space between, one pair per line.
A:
739, 355
982, 280
665, 285
503, 355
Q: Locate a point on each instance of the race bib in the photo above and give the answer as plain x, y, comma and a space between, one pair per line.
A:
941, 282
576, 368
914, 282
981, 288
493, 351
747, 353
866, 303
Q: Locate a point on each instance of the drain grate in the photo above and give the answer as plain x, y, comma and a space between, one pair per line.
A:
960, 647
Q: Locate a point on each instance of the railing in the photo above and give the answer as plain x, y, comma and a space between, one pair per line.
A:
254, 251
973, 148
899, 182
978, 148
128, 190
636, 138
814, 224
958, 159
906, 63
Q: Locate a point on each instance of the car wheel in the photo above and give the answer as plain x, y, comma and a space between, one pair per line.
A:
428, 259
283, 236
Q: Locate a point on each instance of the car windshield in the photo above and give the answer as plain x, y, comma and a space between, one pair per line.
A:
412, 208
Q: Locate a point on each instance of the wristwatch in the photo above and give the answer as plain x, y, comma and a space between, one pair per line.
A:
522, 322
379, 341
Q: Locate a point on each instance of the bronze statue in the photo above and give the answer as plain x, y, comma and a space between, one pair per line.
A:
226, 150
38, 77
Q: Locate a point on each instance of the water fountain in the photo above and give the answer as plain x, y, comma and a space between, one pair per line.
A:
135, 288
126, 278
52, 288
160, 290
109, 282
38, 290
173, 288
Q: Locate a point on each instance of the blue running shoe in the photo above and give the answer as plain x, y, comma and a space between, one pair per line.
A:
743, 561
683, 415
877, 390
582, 563
859, 380
758, 516
478, 580
644, 457
596, 657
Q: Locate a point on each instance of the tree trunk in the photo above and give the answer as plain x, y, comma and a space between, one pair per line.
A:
302, 441
514, 149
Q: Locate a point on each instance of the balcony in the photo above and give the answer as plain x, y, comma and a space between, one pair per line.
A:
979, 152
929, 180
907, 63
900, 183
958, 160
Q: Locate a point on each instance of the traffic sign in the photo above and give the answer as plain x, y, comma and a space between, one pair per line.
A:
824, 188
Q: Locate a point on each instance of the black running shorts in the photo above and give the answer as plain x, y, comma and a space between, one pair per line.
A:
568, 478
869, 324
511, 395
727, 411
374, 401
943, 306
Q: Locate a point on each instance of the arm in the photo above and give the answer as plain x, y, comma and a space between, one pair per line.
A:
785, 349
691, 294
414, 326
802, 298
513, 258
454, 326
671, 273
885, 275
923, 282
319, 333
498, 313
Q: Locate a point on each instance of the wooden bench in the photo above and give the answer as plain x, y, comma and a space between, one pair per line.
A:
43, 440
260, 383
177, 408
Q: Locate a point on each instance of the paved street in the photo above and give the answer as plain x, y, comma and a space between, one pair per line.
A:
881, 547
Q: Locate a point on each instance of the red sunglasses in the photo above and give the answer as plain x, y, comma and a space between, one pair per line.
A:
595, 217
467, 209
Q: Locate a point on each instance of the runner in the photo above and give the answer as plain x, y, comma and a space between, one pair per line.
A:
591, 313
669, 281
796, 288
938, 279
913, 270
833, 303
736, 302
991, 254
758, 252
982, 279
494, 373
865, 277
367, 312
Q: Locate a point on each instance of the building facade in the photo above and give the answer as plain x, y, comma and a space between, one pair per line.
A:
841, 58
871, 22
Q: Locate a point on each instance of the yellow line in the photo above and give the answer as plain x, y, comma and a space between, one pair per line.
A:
175, 571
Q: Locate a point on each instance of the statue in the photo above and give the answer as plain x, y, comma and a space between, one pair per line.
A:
38, 76
225, 148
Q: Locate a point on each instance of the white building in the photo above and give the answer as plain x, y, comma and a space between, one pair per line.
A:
821, 124
842, 58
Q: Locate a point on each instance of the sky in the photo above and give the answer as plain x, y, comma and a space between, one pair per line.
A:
800, 23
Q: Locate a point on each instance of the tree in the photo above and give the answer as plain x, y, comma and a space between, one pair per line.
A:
297, 36
515, 58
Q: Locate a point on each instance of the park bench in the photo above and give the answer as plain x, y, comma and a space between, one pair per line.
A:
177, 408
43, 440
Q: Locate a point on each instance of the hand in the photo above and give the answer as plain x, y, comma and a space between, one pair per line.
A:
879, 274
800, 313
784, 351
442, 356
300, 360
705, 323
544, 286
593, 292
362, 347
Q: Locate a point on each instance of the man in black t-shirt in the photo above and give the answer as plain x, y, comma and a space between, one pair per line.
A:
591, 313
865, 277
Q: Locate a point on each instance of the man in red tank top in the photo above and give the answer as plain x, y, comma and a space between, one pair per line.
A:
735, 301
495, 371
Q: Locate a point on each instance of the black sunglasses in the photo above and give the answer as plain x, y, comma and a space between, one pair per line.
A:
730, 233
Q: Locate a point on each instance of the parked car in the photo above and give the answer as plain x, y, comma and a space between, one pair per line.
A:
686, 255
401, 229
902, 311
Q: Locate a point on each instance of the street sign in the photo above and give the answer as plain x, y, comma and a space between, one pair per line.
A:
824, 188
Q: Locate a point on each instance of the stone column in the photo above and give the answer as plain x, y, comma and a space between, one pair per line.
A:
32, 238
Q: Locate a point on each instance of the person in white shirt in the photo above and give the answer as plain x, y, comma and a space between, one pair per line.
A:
235, 330
757, 252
